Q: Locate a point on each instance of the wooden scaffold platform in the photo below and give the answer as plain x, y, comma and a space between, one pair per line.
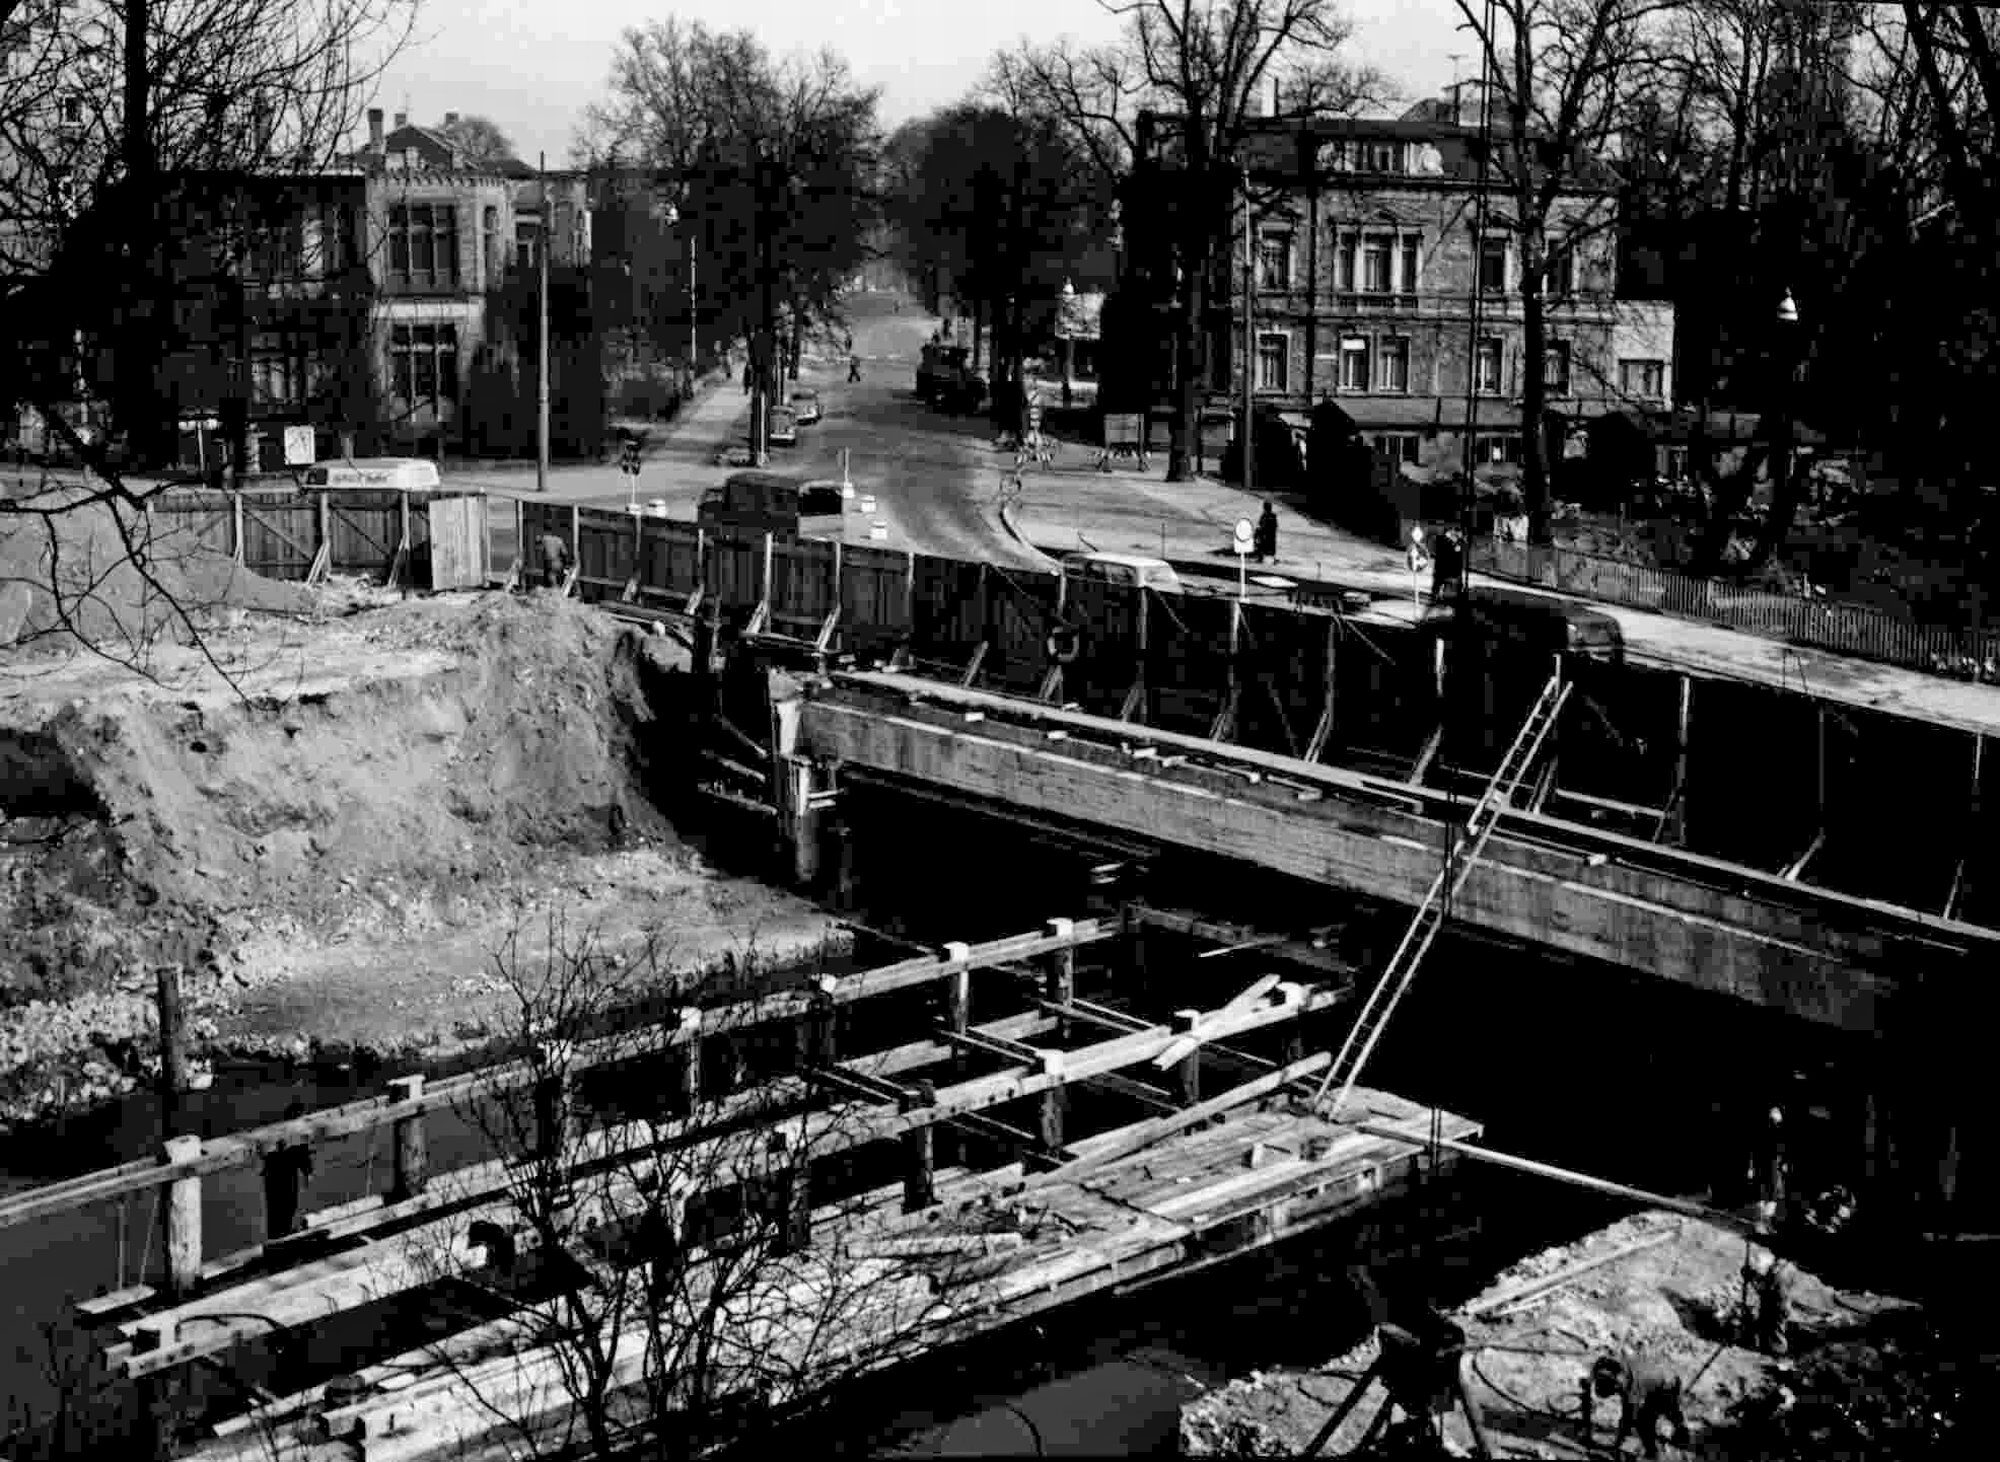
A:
942, 1255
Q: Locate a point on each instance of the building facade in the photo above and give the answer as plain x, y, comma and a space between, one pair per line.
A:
1367, 268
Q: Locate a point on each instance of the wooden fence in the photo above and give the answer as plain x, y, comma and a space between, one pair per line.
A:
1850, 629
435, 540
1262, 674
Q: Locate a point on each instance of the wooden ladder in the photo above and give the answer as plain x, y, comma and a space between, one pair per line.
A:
1463, 852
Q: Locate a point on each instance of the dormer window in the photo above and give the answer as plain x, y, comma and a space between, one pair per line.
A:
1382, 157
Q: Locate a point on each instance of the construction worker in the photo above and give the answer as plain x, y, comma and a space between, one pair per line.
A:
1770, 1171
555, 560
1648, 1394
1767, 1282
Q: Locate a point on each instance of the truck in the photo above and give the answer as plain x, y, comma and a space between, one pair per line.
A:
945, 378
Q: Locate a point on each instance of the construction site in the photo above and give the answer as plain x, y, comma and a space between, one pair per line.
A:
755, 983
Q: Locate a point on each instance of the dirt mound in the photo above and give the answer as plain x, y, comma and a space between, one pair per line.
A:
102, 576
1865, 1376
429, 756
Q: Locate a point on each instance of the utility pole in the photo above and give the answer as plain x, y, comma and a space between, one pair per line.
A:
542, 342
1249, 341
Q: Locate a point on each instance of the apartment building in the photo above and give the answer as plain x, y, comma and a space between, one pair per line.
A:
1367, 263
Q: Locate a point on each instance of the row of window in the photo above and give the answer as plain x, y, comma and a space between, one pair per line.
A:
1406, 446
423, 243
1391, 263
1384, 367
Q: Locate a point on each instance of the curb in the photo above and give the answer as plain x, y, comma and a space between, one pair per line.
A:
1020, 539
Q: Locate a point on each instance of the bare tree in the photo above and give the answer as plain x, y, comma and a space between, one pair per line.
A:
680, 1257
1564, 78
96, 183
1204, 66
479, 140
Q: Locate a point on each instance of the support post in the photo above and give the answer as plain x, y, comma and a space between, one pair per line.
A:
552, 1100
325, 543
957, 1017
910, 592
173, 1050
236, 524
1059, 972
412, 1156
688, 1093
403, 521
1187, 1071
1054, 1103
765, 596
919, 1147
181, 1216
794, 1196
1683, 727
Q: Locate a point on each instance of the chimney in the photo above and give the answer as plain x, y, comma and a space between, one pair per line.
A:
402, 120
451, 119
374, 129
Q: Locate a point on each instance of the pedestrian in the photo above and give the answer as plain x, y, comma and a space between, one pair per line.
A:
286, 1169
1445, 567
1648, 1393
1770, 1170
555, 560
853, 369
746, 378
847, 342
1267, 533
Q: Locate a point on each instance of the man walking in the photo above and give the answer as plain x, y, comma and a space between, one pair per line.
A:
1648, 1394
1267, 533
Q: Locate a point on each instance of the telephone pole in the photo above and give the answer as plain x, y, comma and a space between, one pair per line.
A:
542, 341
1249, 341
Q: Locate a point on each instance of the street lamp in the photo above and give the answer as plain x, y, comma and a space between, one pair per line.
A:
673, 220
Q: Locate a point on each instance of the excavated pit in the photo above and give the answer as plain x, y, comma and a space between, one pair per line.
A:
335, 846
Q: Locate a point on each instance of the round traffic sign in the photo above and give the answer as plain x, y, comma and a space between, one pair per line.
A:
1245, 535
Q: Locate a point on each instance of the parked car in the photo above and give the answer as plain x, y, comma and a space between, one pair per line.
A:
784, 428
1123, 568
822, 510
946, 379
805, 402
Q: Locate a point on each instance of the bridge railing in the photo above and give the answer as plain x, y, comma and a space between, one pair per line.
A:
1849, 629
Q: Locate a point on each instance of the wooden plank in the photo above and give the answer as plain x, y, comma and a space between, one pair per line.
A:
246, 1149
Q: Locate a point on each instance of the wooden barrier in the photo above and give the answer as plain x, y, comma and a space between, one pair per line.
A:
282, 533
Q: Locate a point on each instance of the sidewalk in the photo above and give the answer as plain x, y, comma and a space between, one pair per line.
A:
1127, 511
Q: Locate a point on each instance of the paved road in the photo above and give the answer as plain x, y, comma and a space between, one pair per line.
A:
935, 479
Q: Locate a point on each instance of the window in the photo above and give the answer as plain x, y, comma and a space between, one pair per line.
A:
1392, 365
1375, 256
1344, 263
524, 244
1274, 261
1561, 271
1410, 256
1273, 362
1504, 448
70, 110
1486, 368
1354, 364
489, 228
1492, 265
423, 364
1555, 368
1382, 157
423, 245
1397, 446
1645, 380
277, 370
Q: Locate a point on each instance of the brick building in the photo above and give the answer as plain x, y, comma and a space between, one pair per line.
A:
1365, 273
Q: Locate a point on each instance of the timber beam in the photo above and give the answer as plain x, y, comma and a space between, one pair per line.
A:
1724, 927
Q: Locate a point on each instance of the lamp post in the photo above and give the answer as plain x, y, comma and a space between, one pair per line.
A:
673, 217
1783, 434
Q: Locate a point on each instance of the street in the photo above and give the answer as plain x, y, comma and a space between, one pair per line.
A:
935, 479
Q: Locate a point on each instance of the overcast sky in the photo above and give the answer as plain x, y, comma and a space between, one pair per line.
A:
533, 67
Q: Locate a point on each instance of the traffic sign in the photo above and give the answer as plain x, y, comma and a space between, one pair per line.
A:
1246, 535
299, 447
